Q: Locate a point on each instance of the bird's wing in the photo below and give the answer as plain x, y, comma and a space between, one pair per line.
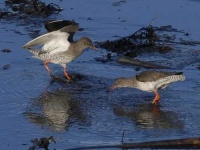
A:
154, 75
71, 29
59, 43
47, 38
63, 25
58, 24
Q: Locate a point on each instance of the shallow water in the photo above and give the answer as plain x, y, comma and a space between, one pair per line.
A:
82, 113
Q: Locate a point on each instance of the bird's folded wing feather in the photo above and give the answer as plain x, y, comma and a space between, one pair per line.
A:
153, 76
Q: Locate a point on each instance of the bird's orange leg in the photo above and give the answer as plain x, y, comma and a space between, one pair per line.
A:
66, 74
48, 69
156, 99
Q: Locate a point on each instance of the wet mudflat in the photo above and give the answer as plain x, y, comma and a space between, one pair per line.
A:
83, 113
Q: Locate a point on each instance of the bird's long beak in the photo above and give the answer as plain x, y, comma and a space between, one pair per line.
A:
111, 88
94, 48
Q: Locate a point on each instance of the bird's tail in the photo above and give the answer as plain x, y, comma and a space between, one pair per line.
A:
167, 80
175, 78
179, 77
178, 73
34, 52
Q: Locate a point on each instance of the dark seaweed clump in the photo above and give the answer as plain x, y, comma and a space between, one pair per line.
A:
41, 143
146, 39
22, 8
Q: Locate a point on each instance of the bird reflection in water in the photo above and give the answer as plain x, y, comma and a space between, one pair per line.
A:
148, 116
55, 110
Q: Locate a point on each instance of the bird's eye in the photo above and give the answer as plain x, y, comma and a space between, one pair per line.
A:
87, 43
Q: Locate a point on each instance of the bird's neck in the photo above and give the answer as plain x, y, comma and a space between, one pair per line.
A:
130, 82
77, 48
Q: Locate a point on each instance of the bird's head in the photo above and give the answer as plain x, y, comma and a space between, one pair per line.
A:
87, 43
120, 82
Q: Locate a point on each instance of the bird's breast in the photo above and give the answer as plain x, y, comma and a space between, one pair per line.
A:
61, 58
146, 86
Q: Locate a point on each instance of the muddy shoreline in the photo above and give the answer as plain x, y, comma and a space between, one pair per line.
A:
82, 113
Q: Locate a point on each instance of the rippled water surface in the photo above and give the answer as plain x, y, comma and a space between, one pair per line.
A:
82, 113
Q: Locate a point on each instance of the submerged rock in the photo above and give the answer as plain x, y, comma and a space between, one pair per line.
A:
5, 50
6, 66
135, 62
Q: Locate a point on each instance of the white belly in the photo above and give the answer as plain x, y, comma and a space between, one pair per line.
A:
146, 86
159, 84
61, 59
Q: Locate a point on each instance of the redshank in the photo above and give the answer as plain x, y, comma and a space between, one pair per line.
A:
58, 49
150, 81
